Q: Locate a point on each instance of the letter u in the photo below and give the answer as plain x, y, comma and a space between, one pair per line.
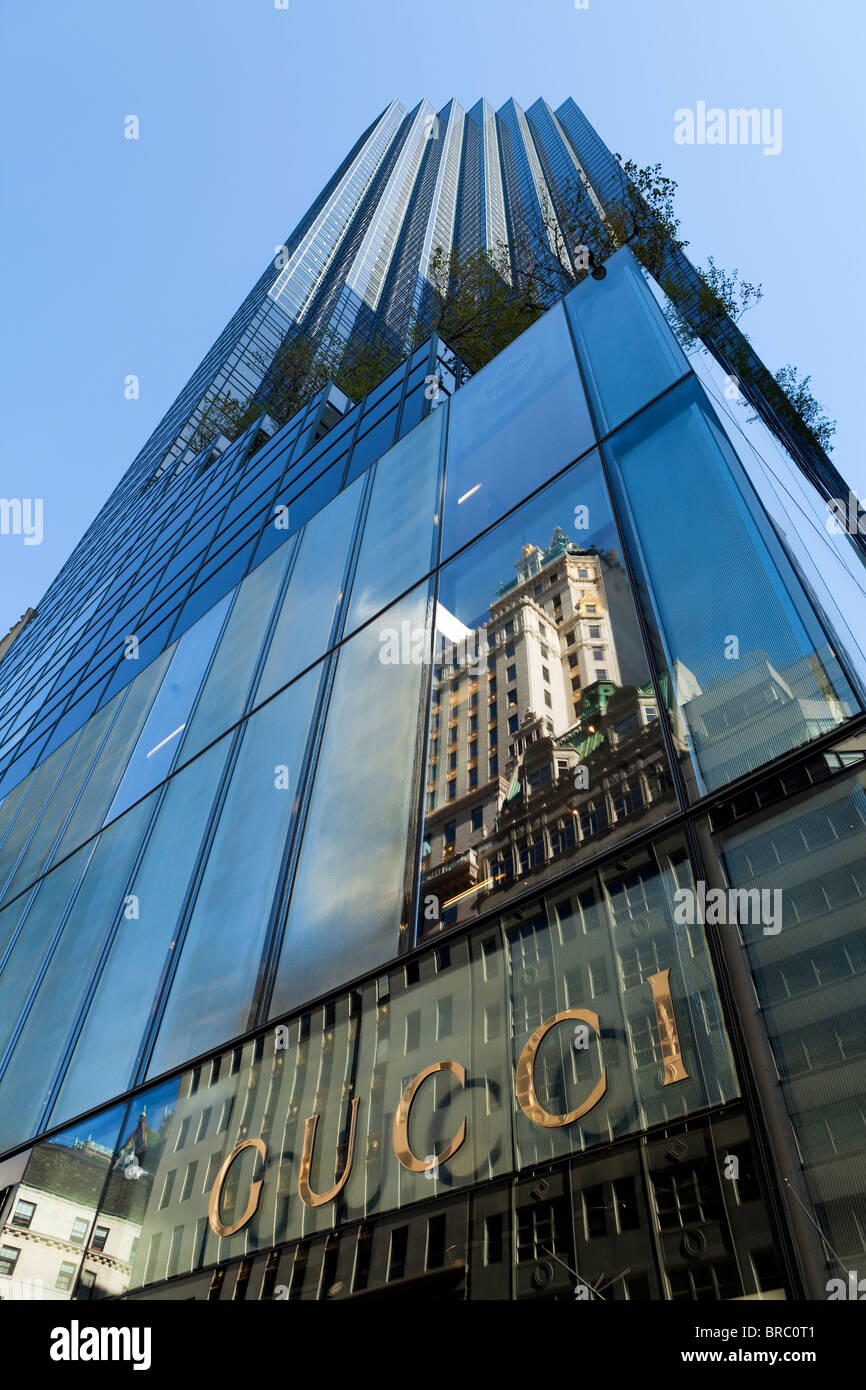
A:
305, 1191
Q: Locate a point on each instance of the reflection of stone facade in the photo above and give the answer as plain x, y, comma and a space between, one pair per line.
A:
539, 750
49, 1218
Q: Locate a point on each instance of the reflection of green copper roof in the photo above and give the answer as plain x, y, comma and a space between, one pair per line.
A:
594, 697
664, 687
559, 545
584, 744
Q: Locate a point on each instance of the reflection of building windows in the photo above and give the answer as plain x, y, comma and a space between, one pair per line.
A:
509, 649
473, 700
65, 1276
189, 1181
452, 761
8, 1259
512, 697
450, 832
628, 802
511, 673
531, 854
150, 1273
477, 817
503, 869
513, 723
491, 713
493, 737
452, 733
452, 789
562, 837
492, 686
79, 1230
541, 777
473, 749
23, 1214
494, 766
508, 629
168, 1188
473, 723
85, 1285
473, 778
100, 1236
182, 1133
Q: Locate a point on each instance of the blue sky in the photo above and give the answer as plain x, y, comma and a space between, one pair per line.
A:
125, 257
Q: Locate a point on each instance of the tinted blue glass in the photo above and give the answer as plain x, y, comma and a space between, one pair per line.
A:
413, 410
51, 824
129, 712
202, 599
306, 623
114, 1026
212, 991
372, 445
750, 672
225, 691
400, 531
23, 1088
347, 900
627, 350
512, 427
157, 746
150, 647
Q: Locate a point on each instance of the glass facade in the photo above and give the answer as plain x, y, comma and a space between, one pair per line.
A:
395, 884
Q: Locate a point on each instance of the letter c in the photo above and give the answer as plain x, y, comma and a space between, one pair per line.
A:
401, 1119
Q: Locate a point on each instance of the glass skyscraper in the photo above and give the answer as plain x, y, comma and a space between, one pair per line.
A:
432, 829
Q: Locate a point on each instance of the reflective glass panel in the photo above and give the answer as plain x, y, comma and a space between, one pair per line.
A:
347, 902
544, 739
627, 351
748, 670
515, 424
399, 538
314, 593
212, 990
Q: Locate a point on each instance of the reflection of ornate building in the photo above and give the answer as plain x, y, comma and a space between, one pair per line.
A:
540, 749
48, 1221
